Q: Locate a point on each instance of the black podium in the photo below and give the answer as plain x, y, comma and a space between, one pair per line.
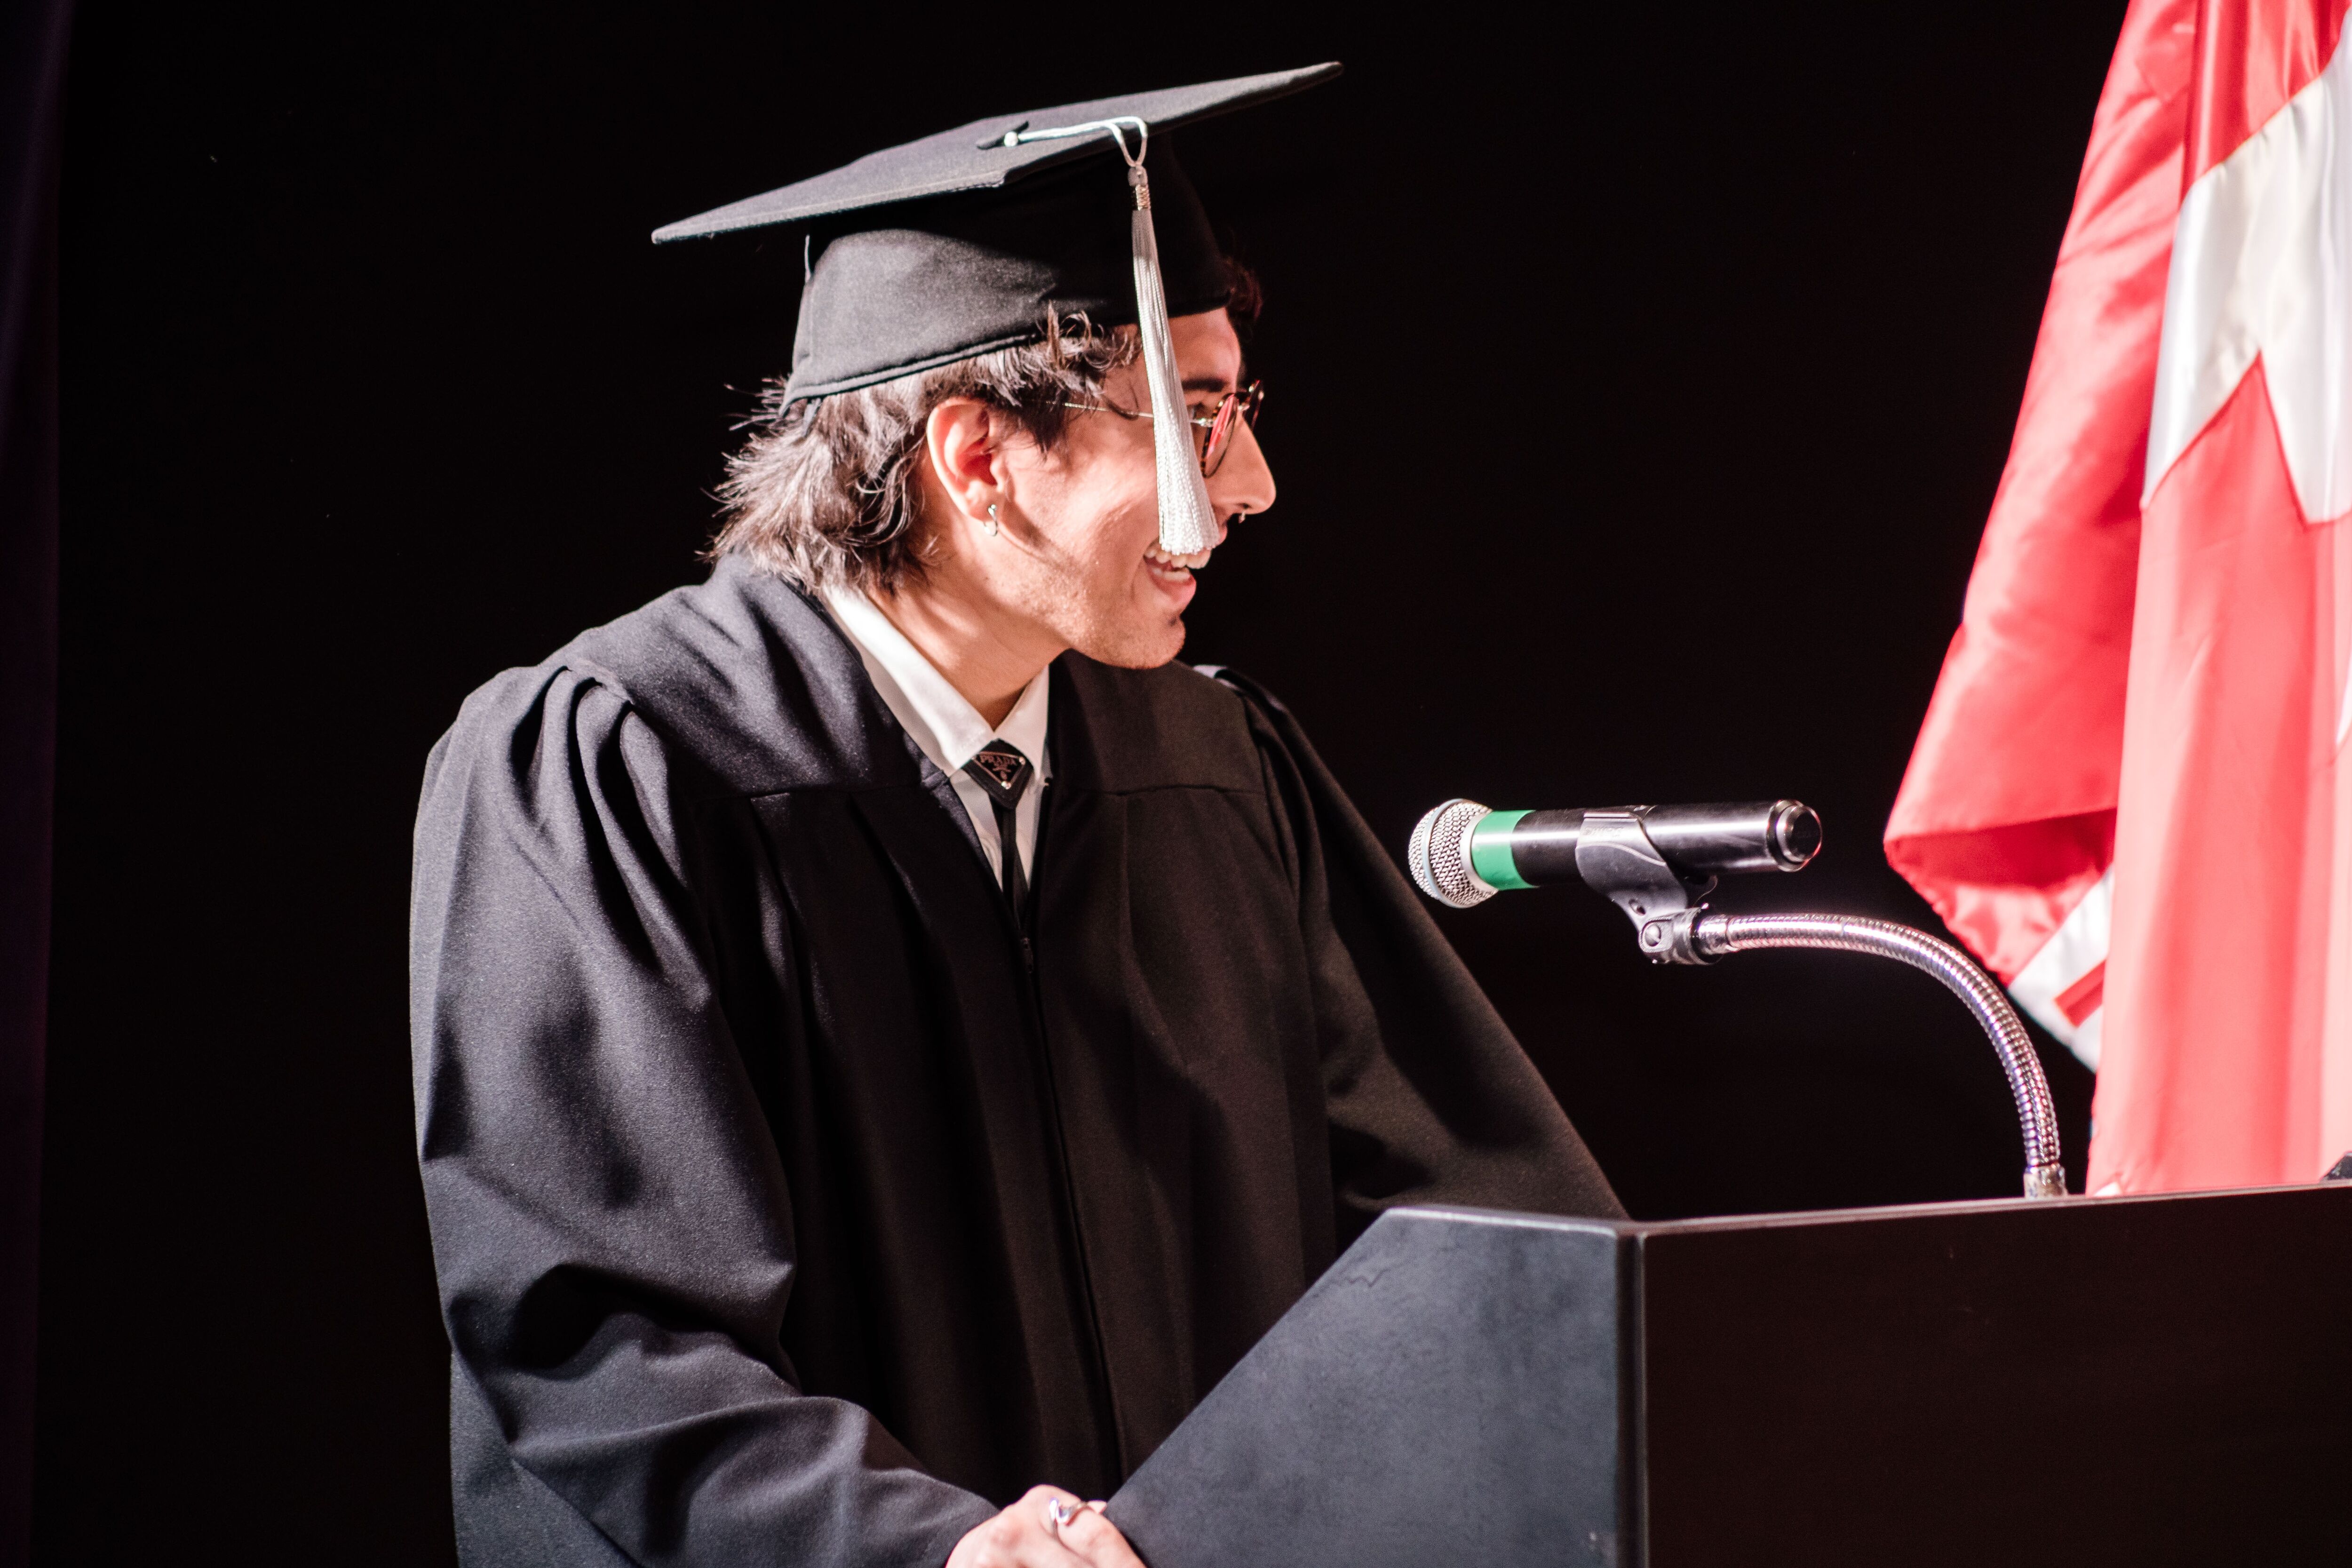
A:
2075, 1381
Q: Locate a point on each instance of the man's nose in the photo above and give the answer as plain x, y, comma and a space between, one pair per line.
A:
1243, 483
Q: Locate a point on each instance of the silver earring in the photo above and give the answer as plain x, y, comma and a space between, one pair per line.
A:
993, 523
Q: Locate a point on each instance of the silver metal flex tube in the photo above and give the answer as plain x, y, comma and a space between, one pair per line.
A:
1716, 934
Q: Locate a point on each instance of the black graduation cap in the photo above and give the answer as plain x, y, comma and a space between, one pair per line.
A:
970, 240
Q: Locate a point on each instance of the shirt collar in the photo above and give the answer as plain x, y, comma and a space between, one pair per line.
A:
949, 730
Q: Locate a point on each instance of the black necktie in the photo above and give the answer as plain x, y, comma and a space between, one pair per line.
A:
1004, 773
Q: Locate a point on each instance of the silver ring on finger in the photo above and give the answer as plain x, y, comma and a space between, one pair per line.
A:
1059, 1512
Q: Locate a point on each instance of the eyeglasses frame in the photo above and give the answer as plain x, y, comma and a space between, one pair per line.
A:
1239, 405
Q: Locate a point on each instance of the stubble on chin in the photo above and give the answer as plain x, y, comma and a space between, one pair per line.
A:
1118, 634
1122, 634
1135, 647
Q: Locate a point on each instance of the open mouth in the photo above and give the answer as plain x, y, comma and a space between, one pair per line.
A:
1176, 568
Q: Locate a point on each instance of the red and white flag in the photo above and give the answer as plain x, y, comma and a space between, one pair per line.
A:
2130, 795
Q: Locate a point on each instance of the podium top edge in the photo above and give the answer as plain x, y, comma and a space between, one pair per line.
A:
2072, 1204
1463, 1214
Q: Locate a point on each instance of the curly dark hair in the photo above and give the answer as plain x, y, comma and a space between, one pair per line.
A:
822, 492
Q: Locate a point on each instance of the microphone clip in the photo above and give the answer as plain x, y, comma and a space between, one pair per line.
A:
1616, 860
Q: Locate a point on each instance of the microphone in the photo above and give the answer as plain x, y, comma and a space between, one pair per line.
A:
1463, 854
1657, 862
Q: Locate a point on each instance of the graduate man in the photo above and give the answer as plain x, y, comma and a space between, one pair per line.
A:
887, 1038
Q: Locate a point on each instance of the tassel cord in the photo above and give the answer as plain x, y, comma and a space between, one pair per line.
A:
1187, 520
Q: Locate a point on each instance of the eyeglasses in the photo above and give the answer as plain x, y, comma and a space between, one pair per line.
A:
1212, 432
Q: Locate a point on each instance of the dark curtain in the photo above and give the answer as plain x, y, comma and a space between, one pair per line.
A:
32, 75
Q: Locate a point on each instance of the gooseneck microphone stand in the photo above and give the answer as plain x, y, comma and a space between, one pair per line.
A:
1616, 857
1713, 935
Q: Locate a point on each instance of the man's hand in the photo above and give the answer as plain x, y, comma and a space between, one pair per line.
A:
1048, 1528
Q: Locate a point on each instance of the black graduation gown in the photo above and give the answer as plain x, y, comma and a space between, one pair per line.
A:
785, 1210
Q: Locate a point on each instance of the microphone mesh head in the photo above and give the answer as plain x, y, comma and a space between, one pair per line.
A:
1439, 855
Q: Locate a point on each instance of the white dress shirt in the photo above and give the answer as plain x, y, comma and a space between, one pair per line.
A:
949, 730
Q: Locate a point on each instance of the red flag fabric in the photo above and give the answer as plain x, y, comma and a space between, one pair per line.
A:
2126, 792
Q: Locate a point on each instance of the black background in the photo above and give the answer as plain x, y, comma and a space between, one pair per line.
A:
1639, 387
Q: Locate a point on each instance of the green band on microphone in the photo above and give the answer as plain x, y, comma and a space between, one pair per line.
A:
1490, 850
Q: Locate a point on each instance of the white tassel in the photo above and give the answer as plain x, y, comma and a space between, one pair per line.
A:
1186, 522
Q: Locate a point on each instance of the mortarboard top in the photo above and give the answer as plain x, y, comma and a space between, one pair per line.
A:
974, 157
972, 240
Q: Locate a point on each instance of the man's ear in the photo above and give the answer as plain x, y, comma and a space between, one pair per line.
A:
964, 442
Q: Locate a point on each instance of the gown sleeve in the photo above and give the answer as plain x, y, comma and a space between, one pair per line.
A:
609, 1217
1428, 1096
